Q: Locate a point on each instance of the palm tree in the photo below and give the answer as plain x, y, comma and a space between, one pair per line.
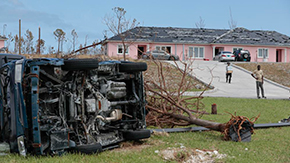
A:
60, 36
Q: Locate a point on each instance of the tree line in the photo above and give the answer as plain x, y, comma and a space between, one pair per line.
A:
31, 45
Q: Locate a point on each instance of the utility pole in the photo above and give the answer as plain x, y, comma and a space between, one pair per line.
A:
38, 40
19, 40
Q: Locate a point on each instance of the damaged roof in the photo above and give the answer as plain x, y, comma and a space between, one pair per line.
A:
204, 36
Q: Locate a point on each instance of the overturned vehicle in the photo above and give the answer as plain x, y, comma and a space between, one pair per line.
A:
50, 106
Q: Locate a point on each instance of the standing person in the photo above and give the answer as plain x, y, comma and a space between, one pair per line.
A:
259, 76
229, 71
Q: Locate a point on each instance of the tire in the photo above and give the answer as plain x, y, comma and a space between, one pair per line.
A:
136, 134
80, 64
246, 55
88, 148
132, 66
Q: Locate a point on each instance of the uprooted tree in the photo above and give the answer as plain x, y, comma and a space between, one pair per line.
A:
168, 105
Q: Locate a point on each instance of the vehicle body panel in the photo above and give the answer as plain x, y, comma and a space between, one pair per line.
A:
224, 56
5, 57
159, 55
242, 55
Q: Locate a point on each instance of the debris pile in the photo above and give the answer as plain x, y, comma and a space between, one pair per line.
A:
285, 120
187, 155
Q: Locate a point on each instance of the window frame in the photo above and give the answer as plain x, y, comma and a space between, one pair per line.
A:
120, 46
198, 52
263, 50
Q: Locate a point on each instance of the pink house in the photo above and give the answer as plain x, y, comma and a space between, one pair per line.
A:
201, 44
2, 42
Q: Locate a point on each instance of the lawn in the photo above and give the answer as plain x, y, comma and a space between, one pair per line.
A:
267, 145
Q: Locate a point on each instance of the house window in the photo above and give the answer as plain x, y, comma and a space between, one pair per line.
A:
121, 48
263, 53
234, 49
196, 52
190, 52
164, 48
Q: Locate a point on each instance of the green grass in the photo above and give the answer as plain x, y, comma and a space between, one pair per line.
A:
267, 145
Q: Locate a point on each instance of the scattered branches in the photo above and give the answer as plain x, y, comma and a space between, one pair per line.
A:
200, 24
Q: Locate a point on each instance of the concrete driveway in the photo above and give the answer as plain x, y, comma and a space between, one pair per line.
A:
243, 85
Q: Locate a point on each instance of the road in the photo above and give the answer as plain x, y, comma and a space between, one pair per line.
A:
243, 85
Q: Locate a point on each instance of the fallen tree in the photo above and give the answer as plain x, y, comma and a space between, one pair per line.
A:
168, 106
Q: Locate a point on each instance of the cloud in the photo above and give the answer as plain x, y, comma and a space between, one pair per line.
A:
15, 10
15, 2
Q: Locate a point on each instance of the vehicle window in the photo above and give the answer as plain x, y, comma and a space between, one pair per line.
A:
237, 49
9, 59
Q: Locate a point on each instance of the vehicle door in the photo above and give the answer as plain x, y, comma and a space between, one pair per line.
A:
156, 54
164, 56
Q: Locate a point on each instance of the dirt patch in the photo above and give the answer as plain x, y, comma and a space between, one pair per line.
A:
132, 146
277, 72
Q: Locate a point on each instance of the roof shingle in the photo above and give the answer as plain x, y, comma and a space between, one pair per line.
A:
205, 36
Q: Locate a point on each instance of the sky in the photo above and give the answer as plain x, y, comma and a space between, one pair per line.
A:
87, 16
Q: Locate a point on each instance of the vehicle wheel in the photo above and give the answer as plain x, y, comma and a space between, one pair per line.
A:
80, 64
136, 134
132, 66
88, 148
171, 58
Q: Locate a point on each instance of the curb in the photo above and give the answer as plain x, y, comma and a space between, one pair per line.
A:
267, 80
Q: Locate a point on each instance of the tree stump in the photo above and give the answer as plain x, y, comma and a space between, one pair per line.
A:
213, 109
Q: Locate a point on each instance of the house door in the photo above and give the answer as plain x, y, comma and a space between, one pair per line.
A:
217, 50
141, 50
279, 55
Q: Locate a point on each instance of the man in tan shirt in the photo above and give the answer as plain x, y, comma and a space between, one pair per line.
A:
259, 76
